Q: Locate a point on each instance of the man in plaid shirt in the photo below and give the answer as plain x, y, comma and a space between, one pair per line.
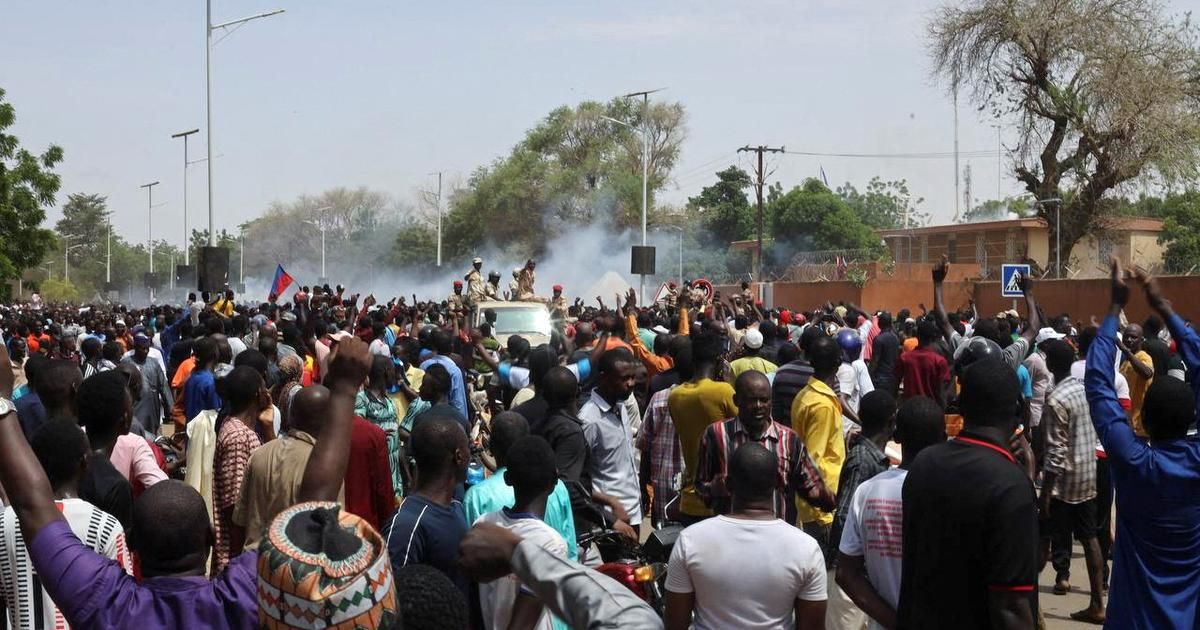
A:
1068, 500
661, 467
797, 472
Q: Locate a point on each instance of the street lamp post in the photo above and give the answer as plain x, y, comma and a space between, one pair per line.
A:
320, 223
209, 27
645, 175
67, 247
150, 226
186, 236
645, 94
108, 256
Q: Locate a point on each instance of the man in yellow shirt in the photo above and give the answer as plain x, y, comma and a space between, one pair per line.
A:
224, 304
1138, 369
817, 419
752, 344
694, 405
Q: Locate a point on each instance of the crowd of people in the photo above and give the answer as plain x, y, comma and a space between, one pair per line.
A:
334, 461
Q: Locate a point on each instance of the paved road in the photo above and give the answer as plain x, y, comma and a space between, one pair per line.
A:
1057, 609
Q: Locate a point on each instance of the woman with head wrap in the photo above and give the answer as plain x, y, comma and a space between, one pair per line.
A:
291, 369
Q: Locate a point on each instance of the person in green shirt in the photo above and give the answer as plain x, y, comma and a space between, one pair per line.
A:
493, 493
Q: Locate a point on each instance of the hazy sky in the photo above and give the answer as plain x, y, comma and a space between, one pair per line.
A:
380, 94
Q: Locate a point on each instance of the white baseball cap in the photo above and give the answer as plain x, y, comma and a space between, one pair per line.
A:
1048, 333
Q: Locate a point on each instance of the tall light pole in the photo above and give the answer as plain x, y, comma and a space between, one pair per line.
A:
186, 235
320, 224
108, 256
439, 217
645, 94
67, 247
209, 27
150, 226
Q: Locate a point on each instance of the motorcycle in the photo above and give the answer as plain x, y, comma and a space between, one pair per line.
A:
642, 568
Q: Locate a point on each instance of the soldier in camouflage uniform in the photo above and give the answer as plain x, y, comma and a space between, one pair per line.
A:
475, 285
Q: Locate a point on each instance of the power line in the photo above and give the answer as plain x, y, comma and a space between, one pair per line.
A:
901, 156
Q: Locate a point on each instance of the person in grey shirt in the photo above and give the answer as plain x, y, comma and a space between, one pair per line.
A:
583, 598
156, 400
607, 418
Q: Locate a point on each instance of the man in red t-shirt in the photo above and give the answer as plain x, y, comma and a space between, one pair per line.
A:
923, 371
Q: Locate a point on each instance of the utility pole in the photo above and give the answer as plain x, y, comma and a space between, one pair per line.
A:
186, 236
439, 216
956, 192
150, 227
645, 131
758, 186
209, 27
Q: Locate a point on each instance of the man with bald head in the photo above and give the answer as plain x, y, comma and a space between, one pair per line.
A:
798, 475
273, 479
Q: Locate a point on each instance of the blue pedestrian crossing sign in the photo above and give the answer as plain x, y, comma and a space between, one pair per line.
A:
1010, 280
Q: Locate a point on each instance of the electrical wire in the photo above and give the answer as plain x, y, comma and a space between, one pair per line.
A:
901, 156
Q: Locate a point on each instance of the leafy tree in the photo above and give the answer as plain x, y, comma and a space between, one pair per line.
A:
59, 290
85, 221
998, 210
813, 218
725, 207
28, 185
415, 246
1181, 231
1101, 92
884, 205
574, 167
360, 227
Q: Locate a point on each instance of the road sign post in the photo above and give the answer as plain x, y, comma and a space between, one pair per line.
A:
1010, 280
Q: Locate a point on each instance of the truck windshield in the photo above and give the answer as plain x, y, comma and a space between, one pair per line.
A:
522, 320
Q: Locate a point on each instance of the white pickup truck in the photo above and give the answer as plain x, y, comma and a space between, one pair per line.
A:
530, 320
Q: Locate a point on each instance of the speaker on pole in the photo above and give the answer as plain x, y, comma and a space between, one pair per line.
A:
642, 260
214, 269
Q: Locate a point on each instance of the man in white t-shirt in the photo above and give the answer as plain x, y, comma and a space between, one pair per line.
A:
62, 450
853, 377
532, 474
870, 552
747, 569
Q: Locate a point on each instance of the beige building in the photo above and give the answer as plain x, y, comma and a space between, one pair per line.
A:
988, 245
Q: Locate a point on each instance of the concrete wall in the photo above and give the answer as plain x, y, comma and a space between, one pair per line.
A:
1080, 298
1145, 250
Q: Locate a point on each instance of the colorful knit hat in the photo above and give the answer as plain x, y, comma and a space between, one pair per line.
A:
321, 567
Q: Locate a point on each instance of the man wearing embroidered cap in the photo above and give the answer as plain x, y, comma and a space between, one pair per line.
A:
172, 536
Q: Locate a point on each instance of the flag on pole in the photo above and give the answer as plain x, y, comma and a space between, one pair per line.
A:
823, 178
281, 282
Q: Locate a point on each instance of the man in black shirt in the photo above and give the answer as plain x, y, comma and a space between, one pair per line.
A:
884, 352
105, 411
970, 522
1159, 352
560, 426
791, 377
